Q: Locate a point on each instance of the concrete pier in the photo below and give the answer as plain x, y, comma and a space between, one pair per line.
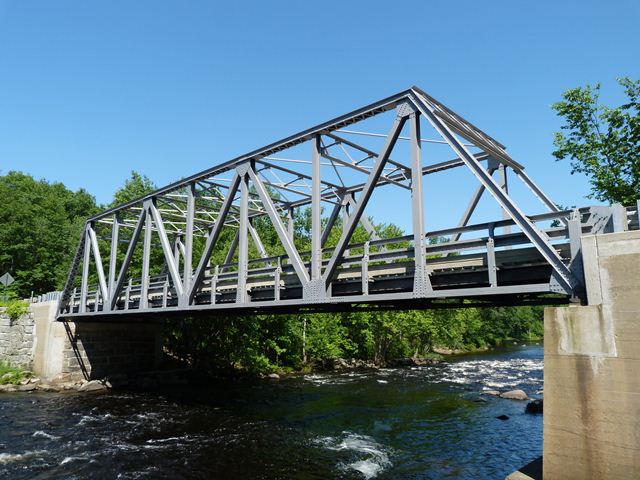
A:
592, 368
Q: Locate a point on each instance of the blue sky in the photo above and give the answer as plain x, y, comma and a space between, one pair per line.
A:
91, 90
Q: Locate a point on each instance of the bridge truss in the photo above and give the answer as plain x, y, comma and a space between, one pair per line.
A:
195, 245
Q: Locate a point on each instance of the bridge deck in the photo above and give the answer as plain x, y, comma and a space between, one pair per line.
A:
460, 275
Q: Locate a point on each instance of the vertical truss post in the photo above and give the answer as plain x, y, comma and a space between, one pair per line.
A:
84, 285
492, 269
290, 224
214, 284
276, 281
113, 260
421, 282
565, 278
345, 216
502, 172
316, 211
165, 293
365, 269
188, 243
146, 254
574, 231
243, 244
127, 294
619, 218
401, 117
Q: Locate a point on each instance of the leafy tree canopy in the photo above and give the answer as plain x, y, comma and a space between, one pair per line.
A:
602, 142
40, 223
134, 187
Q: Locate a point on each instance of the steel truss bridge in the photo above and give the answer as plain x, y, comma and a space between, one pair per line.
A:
175, 235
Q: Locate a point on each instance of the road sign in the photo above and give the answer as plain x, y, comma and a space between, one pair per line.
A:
6, 279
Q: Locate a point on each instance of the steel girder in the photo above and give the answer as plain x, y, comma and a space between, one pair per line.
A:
185, 220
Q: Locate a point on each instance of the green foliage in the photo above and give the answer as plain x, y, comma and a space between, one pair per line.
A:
263, 344
602, 142
40, 223
12, 375
134, 187
15, 309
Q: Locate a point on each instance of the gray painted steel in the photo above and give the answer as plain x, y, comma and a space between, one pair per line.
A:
530, 261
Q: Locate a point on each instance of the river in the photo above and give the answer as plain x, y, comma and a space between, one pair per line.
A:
413, 423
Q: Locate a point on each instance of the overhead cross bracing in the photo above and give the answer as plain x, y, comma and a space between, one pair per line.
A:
196, 245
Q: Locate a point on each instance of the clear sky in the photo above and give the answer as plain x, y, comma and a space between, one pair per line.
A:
91, 90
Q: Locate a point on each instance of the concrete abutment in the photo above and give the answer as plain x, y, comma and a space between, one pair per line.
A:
592, 368
92, 350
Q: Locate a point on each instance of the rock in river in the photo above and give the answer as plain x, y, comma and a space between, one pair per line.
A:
493, 393
514, 395
534, 407
92, 386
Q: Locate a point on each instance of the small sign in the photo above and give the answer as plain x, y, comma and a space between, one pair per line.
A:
6, 279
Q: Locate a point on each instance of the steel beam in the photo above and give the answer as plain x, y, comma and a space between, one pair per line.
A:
113, 259
316, 210
127, 258
84, 285
287, 243
97, 259
331, 221
255, 236
372, 180
188, 242
166, 248
566, 278
421, 282
146, 256
243, 244
213, 237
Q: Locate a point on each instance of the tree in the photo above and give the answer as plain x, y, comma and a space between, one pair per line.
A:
602, 142
40, 224
134, 187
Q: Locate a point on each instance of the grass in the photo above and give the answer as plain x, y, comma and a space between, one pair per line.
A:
12, 375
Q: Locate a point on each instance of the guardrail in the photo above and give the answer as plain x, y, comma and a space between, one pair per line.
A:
469, 266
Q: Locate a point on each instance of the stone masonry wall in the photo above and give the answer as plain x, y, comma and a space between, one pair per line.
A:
16, 340
97, 350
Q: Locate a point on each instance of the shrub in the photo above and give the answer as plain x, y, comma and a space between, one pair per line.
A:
12, 375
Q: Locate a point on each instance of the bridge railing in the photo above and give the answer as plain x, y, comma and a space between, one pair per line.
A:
387, 265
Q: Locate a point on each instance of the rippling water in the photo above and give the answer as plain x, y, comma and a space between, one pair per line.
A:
418, 423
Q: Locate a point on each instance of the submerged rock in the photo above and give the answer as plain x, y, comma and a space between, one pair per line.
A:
503, 417
514, 395
493, 393
534, 407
